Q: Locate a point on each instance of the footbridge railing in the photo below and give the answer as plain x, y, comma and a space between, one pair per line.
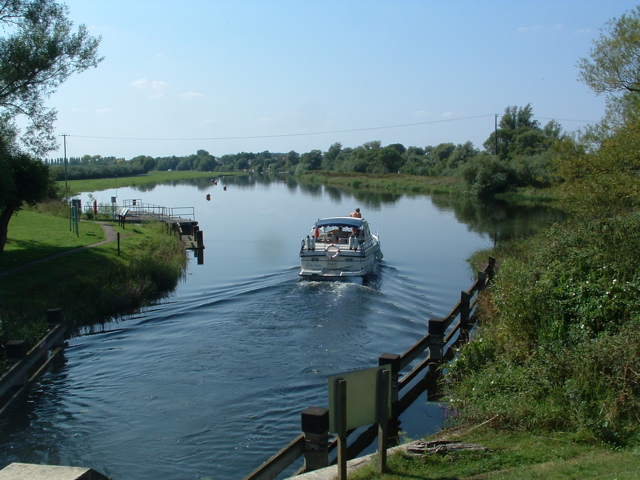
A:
412, 372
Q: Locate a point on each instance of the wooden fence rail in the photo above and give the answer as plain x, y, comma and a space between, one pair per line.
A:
439, 343
26, 367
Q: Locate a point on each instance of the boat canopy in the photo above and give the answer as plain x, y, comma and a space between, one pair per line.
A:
349, 222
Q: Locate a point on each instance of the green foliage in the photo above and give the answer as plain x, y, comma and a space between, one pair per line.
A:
613, 63
519, 134
38, 52
560, 344
23, 181
602, 181
486, 176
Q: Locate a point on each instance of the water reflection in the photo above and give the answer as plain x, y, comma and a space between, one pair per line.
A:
499, 220
211, 381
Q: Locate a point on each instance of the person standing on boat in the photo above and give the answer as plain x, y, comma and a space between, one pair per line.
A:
356, 214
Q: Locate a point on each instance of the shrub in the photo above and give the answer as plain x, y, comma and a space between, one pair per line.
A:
559, 347
487, 176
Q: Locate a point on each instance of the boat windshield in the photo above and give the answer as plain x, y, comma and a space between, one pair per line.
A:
336, 222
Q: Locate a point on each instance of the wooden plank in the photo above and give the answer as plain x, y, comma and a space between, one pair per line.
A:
280, 461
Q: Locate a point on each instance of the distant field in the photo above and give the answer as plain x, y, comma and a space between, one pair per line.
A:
94, 185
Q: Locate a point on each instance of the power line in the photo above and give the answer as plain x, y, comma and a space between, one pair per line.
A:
246, 137
326, 132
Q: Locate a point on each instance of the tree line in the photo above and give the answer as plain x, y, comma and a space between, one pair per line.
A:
598, 165
515, 154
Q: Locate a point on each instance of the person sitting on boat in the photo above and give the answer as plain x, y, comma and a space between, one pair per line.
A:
336, 234
356, 214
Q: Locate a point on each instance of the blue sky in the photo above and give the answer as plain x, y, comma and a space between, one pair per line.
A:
232, 76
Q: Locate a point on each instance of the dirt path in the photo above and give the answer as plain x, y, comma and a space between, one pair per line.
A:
110, 236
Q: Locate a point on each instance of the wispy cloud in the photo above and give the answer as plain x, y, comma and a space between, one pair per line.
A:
191, 95
531, 29
539, 28
103, 111
153, 85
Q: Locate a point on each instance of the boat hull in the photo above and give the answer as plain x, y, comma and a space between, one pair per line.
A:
332, 262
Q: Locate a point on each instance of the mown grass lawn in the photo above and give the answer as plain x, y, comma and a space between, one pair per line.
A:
33, 236
513, 456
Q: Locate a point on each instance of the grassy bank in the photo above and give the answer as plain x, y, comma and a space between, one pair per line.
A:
97, 184
92, 284
511, 456
389, 183
34, 235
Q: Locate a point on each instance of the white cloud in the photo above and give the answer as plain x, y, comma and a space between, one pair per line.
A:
103, 111
448, 114
154, 85
191, 95
531, 29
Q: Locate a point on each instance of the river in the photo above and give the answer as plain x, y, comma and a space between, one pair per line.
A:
209, 382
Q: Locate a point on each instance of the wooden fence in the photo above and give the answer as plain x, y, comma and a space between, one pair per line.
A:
26, 367
431, 351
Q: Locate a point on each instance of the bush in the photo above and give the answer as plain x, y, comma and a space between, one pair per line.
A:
486, 176
559, 347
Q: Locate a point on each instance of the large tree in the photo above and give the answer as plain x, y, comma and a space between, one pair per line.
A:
39, 50
23, 181
601, 170
614, 62
613, 69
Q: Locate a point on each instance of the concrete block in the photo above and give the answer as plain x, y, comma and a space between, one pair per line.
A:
27, 471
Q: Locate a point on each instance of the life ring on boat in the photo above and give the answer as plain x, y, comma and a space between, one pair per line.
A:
332, 254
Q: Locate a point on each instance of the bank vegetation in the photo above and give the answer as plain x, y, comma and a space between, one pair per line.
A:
91, 285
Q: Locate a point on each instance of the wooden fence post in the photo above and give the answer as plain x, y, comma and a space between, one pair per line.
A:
437, 328
15, 350
491, 268
465, 309
436, 339
315, 426
54, 316
482, 280
393, 359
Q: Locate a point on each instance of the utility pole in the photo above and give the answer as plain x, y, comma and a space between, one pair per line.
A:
64, 136
495, 133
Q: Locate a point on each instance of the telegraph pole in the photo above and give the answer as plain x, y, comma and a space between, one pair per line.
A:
64, 136
495, 133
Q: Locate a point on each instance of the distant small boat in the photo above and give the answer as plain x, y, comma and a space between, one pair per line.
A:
339, 247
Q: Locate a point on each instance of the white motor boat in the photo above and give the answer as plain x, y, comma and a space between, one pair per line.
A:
339, 247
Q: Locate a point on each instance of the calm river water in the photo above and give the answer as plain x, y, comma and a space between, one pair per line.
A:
210, 382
